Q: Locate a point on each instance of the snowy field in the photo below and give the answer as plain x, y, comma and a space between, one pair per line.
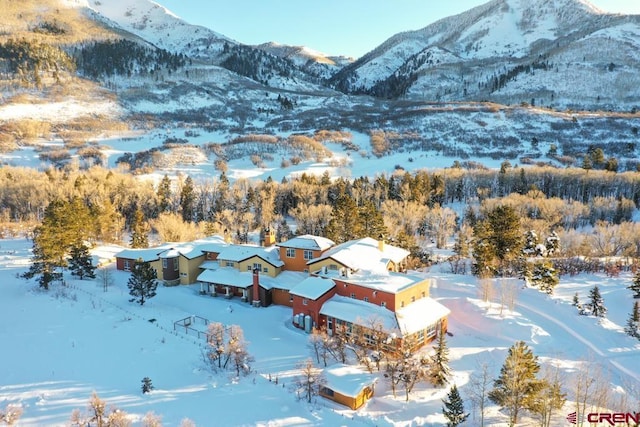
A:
60, 346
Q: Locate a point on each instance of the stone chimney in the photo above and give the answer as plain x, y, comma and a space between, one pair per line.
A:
256, 288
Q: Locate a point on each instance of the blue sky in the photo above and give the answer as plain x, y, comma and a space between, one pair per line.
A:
335, 27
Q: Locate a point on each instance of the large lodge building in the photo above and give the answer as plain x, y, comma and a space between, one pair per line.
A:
357, 283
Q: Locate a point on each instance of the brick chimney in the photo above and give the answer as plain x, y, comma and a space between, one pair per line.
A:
256, 288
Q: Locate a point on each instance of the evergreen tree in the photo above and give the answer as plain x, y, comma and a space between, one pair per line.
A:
596, 303
371, 221
164, 194
635, 285
552, 244
188, 200
283, 232
505, 236
80, 263
139, 230
64, 223
453, 409
344, 224
517, 387
147, 386
632, 327
576, 301
142, 283
439, 369
550, 399
530, 244
543, 276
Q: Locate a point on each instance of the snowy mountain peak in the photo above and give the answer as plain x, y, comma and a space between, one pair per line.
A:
153, 23
508, 51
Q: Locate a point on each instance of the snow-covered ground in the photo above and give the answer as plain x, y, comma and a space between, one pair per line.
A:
60, 346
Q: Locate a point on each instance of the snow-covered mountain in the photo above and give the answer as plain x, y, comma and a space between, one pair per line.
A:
562, 53
310, 60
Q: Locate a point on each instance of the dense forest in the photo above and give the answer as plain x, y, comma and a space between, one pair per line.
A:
566, 212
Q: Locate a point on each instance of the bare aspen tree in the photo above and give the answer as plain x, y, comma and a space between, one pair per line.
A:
215, 338
309, 381
583, 385
315, 343
479, 386
11, 414
486, 288
151, 419
105, 277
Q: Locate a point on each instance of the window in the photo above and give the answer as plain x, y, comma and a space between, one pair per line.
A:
305, 301
248, 268
413, 299
326, 391
265, 270
229, 263
308, 255
175, 264
127, 266
333, 266
369, 339
257, 266
383, 304
353, 295
432, 330
420, 336
423, 294
290, 298
291, 253
329, 323
365, 299
402, 304
164, 263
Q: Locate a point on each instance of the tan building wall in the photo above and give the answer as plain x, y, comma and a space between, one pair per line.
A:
330, 263
157, 266
414, 293
353, 402
247, 265
189, 269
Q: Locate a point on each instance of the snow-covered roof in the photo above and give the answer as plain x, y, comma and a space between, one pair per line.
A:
313, 287
364, 254
308, 241
211, 244
420, 314
237, 253
171, 253
360, 313
145, 254
209, 265
410, 319
227, 276
347, 380
288, 279
381, 280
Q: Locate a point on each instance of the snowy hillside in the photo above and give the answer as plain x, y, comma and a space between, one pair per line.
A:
509, 51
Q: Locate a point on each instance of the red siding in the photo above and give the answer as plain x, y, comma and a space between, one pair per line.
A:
312, 307
375, 297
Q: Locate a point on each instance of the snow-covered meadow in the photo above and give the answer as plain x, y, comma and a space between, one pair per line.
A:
60, 346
